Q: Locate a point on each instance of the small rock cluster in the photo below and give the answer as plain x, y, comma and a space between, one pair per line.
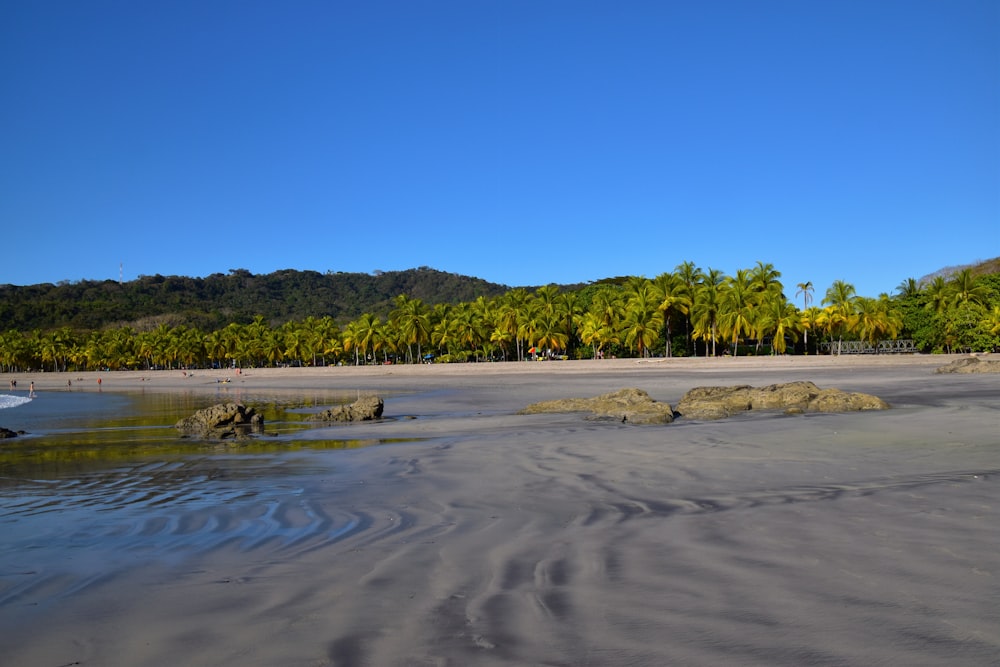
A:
971, 365
626, 405
366, 408
224, 420
636, 406
792, 397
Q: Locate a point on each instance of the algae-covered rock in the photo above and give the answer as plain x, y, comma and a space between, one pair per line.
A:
366, 408
224, 420
793, 398
626, 405
971, 365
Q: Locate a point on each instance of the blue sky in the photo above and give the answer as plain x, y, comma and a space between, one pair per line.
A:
520, 142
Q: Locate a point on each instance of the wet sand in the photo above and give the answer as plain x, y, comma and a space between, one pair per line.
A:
481, 537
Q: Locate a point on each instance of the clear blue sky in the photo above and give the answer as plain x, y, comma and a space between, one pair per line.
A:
520, 142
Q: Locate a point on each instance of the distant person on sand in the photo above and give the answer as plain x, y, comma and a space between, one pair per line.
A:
31, 389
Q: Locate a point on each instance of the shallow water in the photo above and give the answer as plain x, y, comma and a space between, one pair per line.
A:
502, 540
100, 481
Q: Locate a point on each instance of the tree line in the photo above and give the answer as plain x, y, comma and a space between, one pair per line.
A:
685, 312
215, 301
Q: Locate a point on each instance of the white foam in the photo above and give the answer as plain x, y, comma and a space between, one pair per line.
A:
8, 401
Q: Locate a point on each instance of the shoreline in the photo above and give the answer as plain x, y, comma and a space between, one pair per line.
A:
307, 377
477, 536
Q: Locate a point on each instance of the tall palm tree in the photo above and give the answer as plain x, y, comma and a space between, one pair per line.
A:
810, 319
871, 321
674, 298
805, 290
738, 301
778, 319
690, 276
764, 279
706, 307
568, 308
594, 332
842, 297
412, 319
643, 318
508, 316
549, 332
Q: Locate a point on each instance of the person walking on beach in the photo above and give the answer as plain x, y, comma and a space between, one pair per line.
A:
31, 390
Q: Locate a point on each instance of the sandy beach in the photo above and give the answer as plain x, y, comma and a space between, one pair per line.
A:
472, 535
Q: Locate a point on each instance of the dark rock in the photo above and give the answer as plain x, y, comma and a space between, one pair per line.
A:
366, 408
224, 420
7, 433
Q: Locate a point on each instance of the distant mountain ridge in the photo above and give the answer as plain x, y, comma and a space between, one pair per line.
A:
239, 296
978, 268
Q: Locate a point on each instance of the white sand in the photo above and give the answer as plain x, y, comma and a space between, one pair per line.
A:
497, 539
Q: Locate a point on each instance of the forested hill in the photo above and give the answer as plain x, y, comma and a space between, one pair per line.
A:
239, 296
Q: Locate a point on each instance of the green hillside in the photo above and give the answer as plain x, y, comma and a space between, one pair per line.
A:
239, 296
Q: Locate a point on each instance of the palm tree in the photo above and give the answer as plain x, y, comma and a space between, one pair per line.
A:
549, 332
508, 316
674, 298
842, 297
908, 288
939, 294
358, 336
810, 319
528, 320
873, 320
706, 307
469, 327
690, 277
412, 319
764, 279
992, 321
643, 319
736, 319
806, 291
568, 308
966, 289
369, 330
779, 318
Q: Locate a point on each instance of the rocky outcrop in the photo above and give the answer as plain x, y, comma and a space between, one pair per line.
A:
7, 433
626, 405
224, 420
366, 408
971, 365
720, 402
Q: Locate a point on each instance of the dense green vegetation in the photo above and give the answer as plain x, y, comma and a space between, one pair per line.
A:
688, 311
216, 301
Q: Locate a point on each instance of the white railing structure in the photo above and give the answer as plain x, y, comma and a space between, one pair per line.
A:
904, 346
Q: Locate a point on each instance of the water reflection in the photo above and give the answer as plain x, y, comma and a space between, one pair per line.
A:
72, 432
104, 482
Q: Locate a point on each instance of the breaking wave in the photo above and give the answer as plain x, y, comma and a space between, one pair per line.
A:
8, 401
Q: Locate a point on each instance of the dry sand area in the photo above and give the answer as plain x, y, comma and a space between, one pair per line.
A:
477, 536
